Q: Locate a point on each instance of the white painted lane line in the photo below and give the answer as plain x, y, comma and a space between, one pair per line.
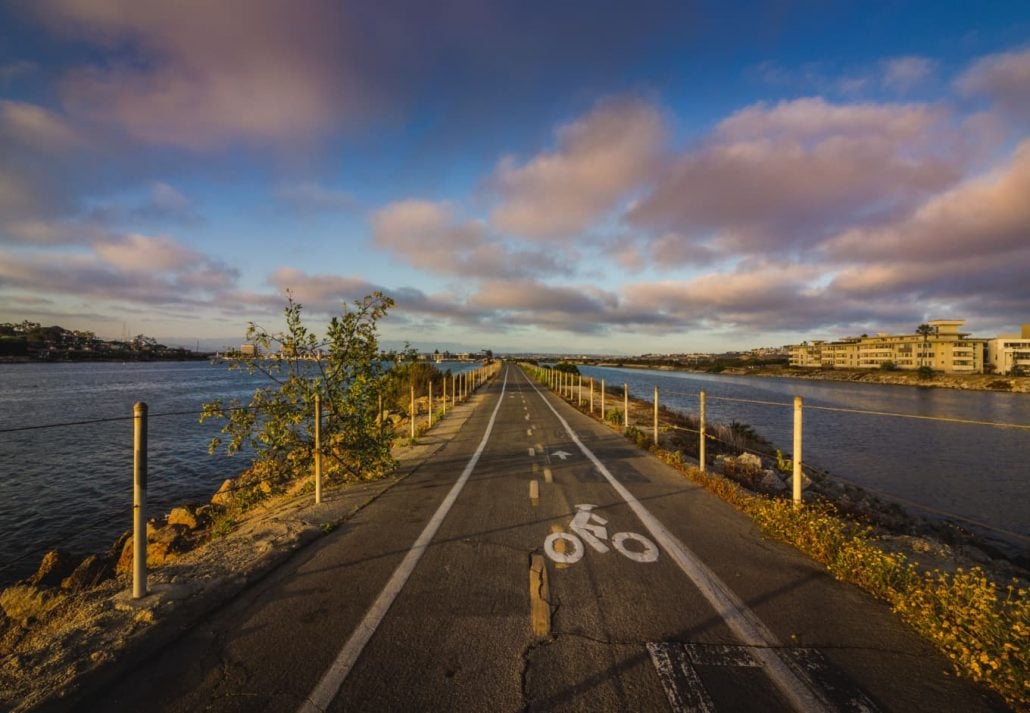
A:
532, 452
329, 686
529, 431
792, 683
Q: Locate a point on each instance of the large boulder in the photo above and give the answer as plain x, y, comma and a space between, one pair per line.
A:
91, 571
771, 482
55, 566
749, 461
163, 546
185, 516
224, 494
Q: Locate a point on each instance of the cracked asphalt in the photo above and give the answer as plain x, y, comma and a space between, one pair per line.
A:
458, 636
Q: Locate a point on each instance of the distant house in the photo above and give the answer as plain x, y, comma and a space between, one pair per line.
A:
249, 350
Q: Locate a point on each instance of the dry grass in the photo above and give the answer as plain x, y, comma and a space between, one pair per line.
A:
26, 605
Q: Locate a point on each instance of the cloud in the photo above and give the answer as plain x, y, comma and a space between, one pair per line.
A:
163, 204
902, 74
427, 235
962, 252
199, 75
308, 198
141, 253
135, 268
785, 177
327, 293
598, 160
32, 125
983, 215
1004, 78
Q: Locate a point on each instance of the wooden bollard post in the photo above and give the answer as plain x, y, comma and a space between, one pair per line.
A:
625, 405
139, 500
318, 449
413, 410
797, 450
430, 422
591, 396
602, 401
656, 415
701, 429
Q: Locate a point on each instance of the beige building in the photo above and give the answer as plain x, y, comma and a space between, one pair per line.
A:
944, 349
1010, 351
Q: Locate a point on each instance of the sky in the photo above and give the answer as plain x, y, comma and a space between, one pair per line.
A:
595, 177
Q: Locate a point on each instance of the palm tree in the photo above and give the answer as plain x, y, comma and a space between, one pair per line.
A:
925, 330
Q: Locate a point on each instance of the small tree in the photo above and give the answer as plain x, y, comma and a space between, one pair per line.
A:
343, 368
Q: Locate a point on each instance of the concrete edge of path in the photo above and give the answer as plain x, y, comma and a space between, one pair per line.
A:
176, 608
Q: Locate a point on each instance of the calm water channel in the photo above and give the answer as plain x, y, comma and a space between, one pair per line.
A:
981, 473
72, 485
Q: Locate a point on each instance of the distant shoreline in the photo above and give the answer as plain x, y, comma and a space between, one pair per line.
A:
128, 357
966, 382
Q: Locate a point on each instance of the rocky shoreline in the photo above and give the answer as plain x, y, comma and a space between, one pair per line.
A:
966, 382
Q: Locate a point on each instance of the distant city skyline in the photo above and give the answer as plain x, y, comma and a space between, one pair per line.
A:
536, 177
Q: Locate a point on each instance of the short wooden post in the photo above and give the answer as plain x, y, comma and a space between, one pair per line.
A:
591, 396
139, 500
656, 415
454, 390
430, 421
412, 410
581, 391
701, 428
318, 449
602, 401
625, 405
797, 450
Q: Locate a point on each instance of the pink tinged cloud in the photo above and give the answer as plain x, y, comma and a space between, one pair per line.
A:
39, 128
786, 176
140, 253
134, 268
205, 73
1005, 79
428, 236
598, 160
320, 292
986, 215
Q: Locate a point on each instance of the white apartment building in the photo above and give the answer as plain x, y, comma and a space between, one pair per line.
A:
944, 349
1009, 351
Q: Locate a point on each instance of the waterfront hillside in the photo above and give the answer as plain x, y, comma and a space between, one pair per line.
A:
30, 341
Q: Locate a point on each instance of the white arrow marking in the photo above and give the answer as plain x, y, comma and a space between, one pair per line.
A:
561, 454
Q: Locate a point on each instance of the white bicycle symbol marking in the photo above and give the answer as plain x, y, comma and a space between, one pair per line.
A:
589, 527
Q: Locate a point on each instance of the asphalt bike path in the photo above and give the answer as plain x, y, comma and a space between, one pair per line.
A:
658, 596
